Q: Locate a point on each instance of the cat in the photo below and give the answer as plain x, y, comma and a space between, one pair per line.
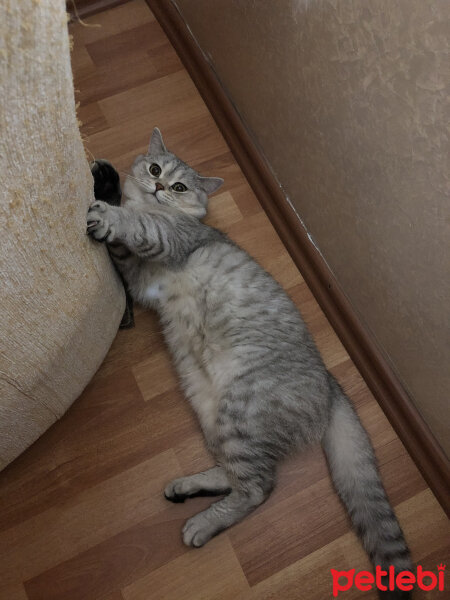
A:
243, 355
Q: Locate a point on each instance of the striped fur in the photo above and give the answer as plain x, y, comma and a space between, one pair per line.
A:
244, 356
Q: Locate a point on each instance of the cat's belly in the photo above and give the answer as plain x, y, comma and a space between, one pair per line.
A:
202, 395
201, 357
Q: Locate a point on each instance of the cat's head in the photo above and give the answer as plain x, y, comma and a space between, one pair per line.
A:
159, 177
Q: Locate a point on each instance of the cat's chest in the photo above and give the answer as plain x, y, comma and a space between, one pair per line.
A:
153, 289
175, 296
154, 292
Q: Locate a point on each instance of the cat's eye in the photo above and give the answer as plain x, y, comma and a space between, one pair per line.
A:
179, 187
155, 170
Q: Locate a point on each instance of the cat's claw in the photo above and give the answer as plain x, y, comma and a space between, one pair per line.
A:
99, 206
98, 223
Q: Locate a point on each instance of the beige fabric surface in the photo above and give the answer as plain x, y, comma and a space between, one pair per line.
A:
61, 301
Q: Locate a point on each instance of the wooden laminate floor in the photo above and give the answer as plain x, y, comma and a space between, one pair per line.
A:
82, 514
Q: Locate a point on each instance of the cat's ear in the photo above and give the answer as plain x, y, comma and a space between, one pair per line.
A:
156, 145
210, 184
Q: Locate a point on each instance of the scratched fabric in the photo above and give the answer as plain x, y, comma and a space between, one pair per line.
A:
61, 301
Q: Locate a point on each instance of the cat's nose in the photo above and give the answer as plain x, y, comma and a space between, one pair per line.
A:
159, 186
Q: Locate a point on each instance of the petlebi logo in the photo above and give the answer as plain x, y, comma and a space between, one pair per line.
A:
388, 580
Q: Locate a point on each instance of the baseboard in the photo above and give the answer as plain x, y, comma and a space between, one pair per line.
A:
80, 9
393, 399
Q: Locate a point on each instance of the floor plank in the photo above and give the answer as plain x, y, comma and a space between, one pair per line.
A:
82, 516
86, 519
207, 574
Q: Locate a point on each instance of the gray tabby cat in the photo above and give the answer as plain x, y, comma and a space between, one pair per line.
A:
243, 354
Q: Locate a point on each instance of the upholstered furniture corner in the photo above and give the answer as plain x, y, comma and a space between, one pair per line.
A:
61, 301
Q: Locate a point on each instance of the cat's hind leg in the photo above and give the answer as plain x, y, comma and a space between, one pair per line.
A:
226, 512
251, 484
213, 482
249, 463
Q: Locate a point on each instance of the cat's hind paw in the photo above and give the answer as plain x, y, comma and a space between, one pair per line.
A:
192, 486
198, 530
180, 489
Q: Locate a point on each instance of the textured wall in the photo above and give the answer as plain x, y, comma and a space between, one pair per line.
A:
348, 99
60, 299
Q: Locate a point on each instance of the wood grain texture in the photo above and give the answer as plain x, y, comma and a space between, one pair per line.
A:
82, 516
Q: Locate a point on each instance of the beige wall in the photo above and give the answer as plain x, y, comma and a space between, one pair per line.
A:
347, 99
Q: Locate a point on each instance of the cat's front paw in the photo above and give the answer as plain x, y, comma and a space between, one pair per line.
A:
106, 182
99, 222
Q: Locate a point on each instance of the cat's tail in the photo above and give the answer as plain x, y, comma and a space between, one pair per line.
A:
355, 475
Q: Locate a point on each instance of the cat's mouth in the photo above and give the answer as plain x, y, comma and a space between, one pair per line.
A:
153, 196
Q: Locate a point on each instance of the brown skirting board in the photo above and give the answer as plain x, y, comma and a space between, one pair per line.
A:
404, 417
79, 9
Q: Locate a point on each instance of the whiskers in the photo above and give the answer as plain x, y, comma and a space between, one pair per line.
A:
167, 200
133, 177
144, 184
